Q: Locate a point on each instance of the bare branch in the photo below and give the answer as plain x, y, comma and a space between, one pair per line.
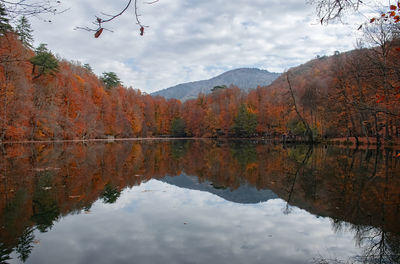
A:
17, 8
150, 3
331, 10
101, 20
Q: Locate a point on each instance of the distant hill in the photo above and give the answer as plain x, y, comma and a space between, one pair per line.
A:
244, 78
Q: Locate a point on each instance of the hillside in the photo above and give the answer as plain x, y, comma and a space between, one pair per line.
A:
343, 95
244, 78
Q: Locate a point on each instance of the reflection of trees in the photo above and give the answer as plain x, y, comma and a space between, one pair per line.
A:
349, 185
378, 246
110, 194
301, 158
244, 152
44, 206
25, 244
4, 253
179, 148
14, 209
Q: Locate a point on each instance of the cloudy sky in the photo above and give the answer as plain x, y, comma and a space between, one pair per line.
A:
161, 223
190, 40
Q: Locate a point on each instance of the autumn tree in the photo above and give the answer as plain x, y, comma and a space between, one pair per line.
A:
382, 37
308, 130
15, 88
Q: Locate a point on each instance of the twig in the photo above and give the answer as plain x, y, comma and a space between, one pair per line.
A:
100, 21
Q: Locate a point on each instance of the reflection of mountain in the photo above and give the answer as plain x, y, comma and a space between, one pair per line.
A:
244, 194
40, 183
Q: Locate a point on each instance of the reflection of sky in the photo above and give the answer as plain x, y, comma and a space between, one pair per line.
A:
160, 223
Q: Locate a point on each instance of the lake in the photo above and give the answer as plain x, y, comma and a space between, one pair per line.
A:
198, 201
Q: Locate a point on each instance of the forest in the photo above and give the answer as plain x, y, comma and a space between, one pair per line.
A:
347, 95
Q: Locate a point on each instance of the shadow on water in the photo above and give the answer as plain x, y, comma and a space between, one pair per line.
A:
358, 189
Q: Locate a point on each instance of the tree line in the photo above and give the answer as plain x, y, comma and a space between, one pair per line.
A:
353, 94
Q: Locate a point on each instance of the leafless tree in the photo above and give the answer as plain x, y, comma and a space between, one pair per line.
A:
331, 10
18, 8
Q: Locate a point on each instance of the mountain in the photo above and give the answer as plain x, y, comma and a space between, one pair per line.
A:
245, 194
244, 78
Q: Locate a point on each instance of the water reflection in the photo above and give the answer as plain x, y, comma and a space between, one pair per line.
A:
358, 190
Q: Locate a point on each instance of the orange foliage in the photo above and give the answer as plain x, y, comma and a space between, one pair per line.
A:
337, 96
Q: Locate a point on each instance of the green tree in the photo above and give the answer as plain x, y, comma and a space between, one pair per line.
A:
178, 127
296, 127
44, 62
110, 194
88, 67
4, 20
245, 123
218, 87
110, 80
24, 31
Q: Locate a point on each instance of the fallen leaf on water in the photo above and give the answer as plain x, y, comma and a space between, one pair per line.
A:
36, 241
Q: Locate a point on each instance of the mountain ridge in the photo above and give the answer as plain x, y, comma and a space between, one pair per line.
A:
244, 194
244, 78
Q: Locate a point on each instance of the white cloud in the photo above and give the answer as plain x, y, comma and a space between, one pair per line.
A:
189, 40
161, 223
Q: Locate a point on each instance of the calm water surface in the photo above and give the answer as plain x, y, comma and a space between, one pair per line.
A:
198, 201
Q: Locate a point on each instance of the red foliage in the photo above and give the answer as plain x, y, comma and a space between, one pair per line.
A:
337, 97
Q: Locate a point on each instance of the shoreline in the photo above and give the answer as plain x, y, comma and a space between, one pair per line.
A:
88, 140
345, 142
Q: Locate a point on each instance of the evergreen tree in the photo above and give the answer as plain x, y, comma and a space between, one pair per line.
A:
4, 20
24, 31
178, 127
87, 67
110, 80
245, 123
44, 62
110, 194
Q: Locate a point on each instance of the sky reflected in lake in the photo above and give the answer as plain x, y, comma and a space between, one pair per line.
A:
160, 223
198, 201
